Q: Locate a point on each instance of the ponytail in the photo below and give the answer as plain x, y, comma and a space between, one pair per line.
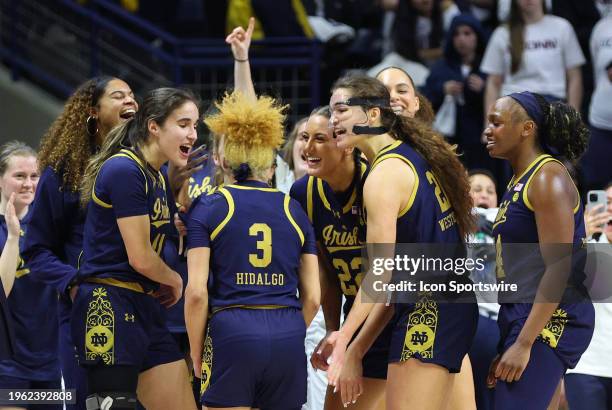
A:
443, 160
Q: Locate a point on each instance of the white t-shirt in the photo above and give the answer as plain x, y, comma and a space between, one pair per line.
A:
284, 175
600, 113
551, 48
488, 309
597, 359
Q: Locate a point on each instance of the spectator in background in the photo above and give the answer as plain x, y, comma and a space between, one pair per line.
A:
589, 385
419, 27
291, 162
596, 166
484, 346
31, 304
457, 79
534, 52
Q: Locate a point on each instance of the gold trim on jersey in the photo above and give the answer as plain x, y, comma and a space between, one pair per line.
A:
126, 154
333, 249
514, 180
253, 188
387, 149
309, 203
230, 212
526, 187
133, 286
129, 154
415, 188
290, 217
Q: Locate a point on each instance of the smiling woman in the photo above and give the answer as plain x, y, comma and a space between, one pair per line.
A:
55, 232
128, 220
34, 364
539, 341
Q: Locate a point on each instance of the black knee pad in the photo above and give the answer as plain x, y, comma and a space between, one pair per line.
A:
117, 382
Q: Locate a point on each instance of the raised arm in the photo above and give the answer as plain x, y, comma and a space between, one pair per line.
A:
240, 41
10, 252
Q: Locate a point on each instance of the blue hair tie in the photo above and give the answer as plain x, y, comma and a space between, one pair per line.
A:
242, 172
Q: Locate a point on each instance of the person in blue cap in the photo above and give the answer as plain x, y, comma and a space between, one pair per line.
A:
541, 207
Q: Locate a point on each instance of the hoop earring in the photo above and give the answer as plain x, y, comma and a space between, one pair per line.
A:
92, 126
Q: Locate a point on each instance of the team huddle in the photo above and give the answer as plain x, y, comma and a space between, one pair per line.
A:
187, 279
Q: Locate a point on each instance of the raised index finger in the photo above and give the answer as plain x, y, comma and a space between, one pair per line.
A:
251, 27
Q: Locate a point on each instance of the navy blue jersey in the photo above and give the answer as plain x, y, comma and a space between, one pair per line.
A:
200, 183
32, 306
515, 223
124, 187
428, 217
570, 328
55, 232
6, 328
339, 227
256, 237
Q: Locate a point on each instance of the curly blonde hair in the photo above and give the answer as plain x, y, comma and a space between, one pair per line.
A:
252, 130
66, 146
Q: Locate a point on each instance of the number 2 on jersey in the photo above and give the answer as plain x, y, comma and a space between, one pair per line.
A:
345, 273
440, 195
264, 245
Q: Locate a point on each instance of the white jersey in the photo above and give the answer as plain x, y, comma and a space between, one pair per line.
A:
600, 112
550, 48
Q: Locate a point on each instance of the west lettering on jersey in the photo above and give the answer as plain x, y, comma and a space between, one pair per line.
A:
447, 222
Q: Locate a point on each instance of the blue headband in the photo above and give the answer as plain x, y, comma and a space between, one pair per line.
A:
530, 104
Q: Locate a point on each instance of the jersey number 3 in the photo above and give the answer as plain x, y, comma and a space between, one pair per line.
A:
263, 258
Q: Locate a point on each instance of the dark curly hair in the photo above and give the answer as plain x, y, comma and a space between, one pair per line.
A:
66, 146
157, 106
564, 133
441, 156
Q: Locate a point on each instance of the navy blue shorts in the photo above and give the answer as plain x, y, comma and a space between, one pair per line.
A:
117, 326
537, 385
255, 358
568, 332
438, 333
375, 360
16, 383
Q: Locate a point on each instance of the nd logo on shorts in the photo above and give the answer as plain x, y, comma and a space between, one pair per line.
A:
551, 334
421, 331
207, 357
100, 328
